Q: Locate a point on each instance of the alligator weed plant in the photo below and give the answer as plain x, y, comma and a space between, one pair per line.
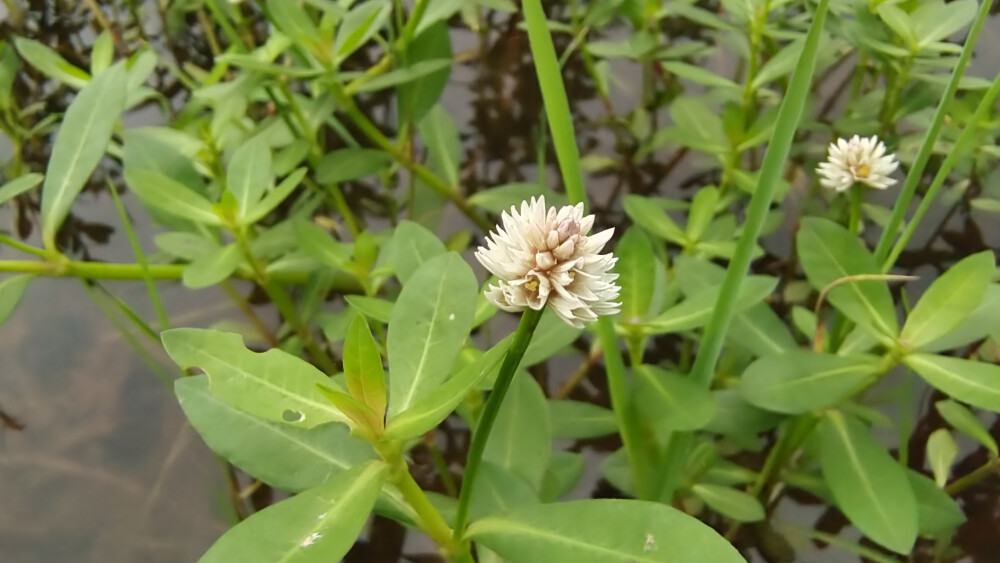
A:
751, 337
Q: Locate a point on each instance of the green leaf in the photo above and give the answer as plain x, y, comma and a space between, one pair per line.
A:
602, 531
168, 195
249, 174
444, 146
830, 252
937, 513
941, 453
428, 412
281, 455
498, 490
274, 385
11, 291
936, 21
802, 381
429, 325
738, 505
431, 43
320, 245
412, 245
636, 269
212, 267
79, 146
574, 420
969, 381
360, 25
870, 487
564, 472
320, 524
372, 307
275, 197
962, 419
19, 185
695, 311
899, 22
672, 401
949, 300
520, 441
292, 19
51, 64
978, 325
702, 212
363, 370
502, 198
102, 53
404, 75
757, 328
349, 164
551, 336
780, 65
734, 416
698, 75
654, 219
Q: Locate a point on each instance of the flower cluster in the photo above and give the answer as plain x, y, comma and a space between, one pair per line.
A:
544, 256
860, 160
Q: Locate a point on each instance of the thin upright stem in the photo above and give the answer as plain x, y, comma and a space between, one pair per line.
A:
529, 320
854, 215
27, 248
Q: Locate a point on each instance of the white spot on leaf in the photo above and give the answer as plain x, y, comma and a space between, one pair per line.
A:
650, 545
311, 539
451, 317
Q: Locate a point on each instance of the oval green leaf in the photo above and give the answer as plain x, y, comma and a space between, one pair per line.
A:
870, 487
520, 440
412, 245
274, 385
212, 267
166, 194
962, 419
19, 185
249, 174
316, 526
602, 531
11, 291
575, 420
80, 145
636, 269
671, 400
430, 323
949, 300
801, 381
829, 252
363, 370
738, 505
969, 381
695, 311
941, 453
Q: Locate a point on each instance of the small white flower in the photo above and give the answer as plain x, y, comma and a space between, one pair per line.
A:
545, 256
862, 159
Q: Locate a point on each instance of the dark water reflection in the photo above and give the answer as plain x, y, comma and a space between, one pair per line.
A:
106, 470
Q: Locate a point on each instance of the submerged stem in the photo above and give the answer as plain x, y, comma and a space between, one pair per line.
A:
529, 320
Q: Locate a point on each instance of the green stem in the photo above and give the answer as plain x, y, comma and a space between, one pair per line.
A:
962, 483
279, 296
891, 100
529, 320
854, 215
140, 257
555, 100
27, 248
915, 173
420, 171
429, 519
961, 148
789, 115
120, 272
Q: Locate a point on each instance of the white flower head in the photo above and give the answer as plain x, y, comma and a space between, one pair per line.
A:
544, 256
860, 160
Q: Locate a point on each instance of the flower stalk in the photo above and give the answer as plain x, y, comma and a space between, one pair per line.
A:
525, 329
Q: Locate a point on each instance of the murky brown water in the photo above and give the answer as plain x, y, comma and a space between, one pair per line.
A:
106, 470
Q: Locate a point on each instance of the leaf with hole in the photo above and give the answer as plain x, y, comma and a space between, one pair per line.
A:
273, 385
